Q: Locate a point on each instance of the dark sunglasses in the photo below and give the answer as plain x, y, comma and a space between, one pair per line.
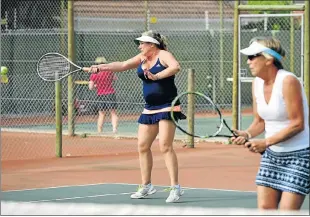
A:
251, 57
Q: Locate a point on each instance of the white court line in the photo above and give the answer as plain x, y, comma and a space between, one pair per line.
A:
189, 188
61, 186
165, 186
81, 197
90, 196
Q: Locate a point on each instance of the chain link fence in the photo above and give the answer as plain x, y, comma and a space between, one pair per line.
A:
200, 35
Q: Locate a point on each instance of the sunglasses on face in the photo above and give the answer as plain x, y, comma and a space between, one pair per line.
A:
251, 57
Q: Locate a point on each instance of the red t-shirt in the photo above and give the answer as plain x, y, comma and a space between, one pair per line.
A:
104, 82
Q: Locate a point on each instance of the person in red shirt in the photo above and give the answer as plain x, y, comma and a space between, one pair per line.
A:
106, 98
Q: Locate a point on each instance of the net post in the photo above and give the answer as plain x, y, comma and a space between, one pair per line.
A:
191, 107
58, 92
58, 115
71, 56
235, 96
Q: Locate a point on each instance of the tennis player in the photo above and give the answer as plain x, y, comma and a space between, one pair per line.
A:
281, 111
156, 67
106, 98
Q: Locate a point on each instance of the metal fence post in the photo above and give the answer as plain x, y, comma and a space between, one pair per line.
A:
191, 107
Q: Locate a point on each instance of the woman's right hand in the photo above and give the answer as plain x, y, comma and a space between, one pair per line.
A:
241, 139
94, 69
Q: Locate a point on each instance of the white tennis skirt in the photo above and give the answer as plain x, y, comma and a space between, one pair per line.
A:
285, 171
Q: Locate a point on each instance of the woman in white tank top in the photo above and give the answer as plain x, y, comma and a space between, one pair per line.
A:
280, 109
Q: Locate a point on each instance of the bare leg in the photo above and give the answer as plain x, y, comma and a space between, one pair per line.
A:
100, 121
146, 136
291, 201
114, 118
268, 198
166, 136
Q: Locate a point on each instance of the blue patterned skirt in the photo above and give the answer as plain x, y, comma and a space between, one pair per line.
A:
285, 171
155, 118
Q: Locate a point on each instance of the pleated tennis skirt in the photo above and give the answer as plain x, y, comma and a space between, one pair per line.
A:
285, 171
155, 118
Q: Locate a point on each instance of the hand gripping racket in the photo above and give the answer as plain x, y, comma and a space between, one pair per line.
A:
208, 119
54, 67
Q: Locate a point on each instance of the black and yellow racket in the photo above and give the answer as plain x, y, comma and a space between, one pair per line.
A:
206, 119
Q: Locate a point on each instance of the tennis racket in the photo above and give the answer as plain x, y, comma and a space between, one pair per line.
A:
54, 67
207, 119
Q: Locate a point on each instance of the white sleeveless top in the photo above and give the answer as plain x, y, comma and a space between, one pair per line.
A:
275, 115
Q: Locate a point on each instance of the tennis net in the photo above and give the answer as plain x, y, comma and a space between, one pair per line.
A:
26, 208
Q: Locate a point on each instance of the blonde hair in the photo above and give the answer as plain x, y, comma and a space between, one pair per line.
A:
159, 37
100, 60
273, 44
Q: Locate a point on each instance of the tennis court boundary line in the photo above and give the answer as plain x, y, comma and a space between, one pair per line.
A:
79, 197
106, 183
91, 196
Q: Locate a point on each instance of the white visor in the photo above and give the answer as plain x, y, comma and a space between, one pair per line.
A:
145, 38
256, 48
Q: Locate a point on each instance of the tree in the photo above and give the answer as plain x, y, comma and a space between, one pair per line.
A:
271, 2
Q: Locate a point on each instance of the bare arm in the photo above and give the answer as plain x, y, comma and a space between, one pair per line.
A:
292, 95
120, 66
91, 85
170, 62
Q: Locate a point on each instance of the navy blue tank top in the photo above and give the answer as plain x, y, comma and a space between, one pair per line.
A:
157, 94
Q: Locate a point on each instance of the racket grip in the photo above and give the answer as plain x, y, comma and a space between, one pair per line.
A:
86, 69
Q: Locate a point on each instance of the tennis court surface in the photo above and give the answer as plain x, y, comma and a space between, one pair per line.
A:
113, 199
218, 179
127, 127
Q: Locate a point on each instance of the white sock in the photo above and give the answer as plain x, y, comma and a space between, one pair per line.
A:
177, 186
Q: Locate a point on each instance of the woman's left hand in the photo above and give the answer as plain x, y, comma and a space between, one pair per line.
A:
149, 75
256, 145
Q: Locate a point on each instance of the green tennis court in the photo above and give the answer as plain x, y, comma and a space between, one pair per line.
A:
107, 194
202, 125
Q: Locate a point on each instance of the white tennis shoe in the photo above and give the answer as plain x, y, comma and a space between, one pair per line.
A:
174, 195
143, 191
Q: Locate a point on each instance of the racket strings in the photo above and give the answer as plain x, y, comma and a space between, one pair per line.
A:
53, 67
206, 120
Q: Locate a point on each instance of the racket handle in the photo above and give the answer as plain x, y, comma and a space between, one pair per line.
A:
86, 69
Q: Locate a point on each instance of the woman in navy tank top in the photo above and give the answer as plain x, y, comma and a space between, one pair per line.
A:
156, 67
